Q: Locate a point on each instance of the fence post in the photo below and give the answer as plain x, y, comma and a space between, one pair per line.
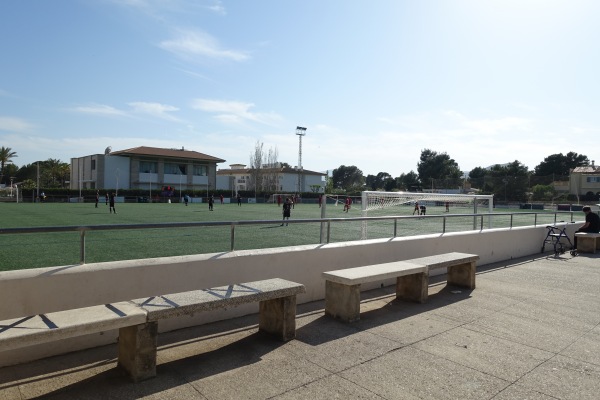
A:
82, 246
232, 237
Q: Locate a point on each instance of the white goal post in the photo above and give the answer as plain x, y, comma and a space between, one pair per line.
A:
383, 204
381, 200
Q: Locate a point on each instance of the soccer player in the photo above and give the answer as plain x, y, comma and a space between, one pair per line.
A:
111, 201
347, 204
211, 202
287, 210
416, 210
592, 223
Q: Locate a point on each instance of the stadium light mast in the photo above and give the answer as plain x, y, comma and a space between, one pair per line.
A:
300, 131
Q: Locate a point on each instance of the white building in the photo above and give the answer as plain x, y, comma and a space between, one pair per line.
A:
585, 180
284, 179
148, 168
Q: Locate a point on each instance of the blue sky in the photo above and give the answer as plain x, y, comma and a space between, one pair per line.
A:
374, 82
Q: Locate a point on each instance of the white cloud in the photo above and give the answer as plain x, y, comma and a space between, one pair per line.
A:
155, 109
193, 44
218, 8
234, 111
11, 124
99, 109
491, 126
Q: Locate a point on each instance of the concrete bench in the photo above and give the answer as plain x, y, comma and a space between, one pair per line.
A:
136, 320
342, 287
17, 333
277, 316
460, 267
587, 242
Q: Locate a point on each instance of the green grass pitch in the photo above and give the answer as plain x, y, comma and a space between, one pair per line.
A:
21, 251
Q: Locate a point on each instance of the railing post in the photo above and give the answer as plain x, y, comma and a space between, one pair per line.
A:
395, 227
535, 219
328, 231
232, 237
82, 246
444, 224
511, 221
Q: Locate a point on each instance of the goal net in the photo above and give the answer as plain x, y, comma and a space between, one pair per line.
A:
390, 204
339, 200
387, 201
274, 197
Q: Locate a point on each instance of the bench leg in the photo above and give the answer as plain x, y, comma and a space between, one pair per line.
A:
413, 287
342, 301
278, 317
462, 275
137, 350
586, 244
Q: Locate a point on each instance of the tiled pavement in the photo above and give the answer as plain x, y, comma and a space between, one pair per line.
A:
531, 330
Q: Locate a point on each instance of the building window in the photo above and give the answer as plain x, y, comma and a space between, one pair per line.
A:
200, 170
93, 165
593, 179
148, 167
175, 169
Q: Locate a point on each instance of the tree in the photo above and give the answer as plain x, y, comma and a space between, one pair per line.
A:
256, 170
6, 156
509, 182
264, 169
408, 182
542, 192
54, 173
560, 165
271, 181
348, 178
477, 179
382, 181
439, 167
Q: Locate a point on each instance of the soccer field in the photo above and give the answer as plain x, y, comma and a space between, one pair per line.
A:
21, 251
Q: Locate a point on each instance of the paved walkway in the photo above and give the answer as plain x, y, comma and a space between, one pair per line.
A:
531, 330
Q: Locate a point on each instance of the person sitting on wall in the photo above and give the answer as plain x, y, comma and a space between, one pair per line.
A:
592, 223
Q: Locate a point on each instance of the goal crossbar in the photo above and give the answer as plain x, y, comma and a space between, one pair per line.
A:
372, 200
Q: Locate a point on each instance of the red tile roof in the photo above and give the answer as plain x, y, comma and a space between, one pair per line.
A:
588, 169
173, 153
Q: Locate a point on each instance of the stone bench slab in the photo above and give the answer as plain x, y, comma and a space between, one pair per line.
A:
445, 260
185, 303
277, 317
342, 287
44, 328
369, 273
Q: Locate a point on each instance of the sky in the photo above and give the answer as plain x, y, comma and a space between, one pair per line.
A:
373, 82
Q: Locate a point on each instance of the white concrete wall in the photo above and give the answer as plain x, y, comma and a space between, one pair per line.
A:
45, 290
116, 168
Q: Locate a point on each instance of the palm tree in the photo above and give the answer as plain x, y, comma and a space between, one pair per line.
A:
6, 156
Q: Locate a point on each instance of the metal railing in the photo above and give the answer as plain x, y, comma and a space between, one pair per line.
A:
325, 231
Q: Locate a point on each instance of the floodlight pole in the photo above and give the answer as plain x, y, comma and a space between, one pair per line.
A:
117, 185
37, 184
300, 131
